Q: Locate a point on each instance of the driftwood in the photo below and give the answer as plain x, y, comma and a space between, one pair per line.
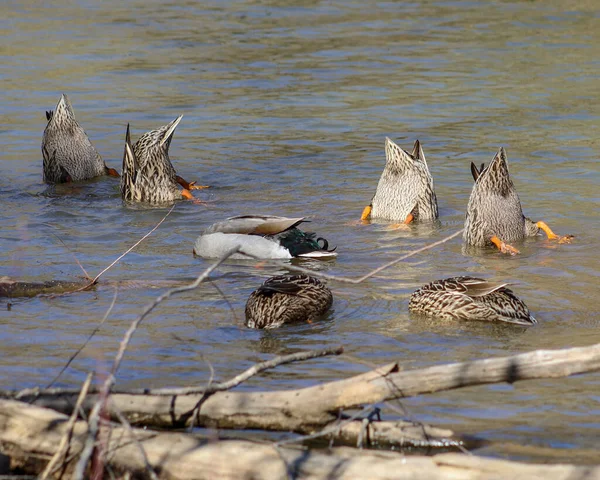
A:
309, 409
31, 435
13, 288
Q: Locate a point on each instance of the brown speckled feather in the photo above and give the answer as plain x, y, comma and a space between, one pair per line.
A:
287, 299
470, 298
405, 186
153, 178
68, 154
494, 208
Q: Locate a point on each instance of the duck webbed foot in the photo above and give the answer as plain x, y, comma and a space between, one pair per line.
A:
366, 214
189, 185
504, 247
111, 172
553, 236
404, 225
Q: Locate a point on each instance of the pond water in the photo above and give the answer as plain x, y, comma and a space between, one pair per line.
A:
286, 107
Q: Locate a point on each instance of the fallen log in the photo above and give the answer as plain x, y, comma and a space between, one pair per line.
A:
309, 409
13, 289
31, 435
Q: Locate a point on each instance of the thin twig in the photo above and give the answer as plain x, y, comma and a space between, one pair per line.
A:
86, 453
134, 245
242, 377
367, 410
127, 426
218, 289
114, 300
95, 279
327, 276
63, 447
215, 387
69, 250
196, 409
110, 379
134, 325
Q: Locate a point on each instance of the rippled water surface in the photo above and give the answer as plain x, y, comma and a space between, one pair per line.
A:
286, 107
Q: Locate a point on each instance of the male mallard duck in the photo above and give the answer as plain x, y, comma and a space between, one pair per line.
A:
69, 156
405, 191
287, 299
469, 298
494, 214
148, 175
262, 236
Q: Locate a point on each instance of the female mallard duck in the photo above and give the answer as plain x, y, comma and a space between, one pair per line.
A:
261, 236
405, 191
287, 299
68, 154
494, 214
148, 175
469, 298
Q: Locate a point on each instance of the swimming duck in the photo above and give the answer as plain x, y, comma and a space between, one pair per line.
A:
470, 298
148, 175
261, 236
287, 299
405, 190
494, 214
68, 154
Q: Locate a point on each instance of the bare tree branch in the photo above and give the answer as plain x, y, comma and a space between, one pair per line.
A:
114, 301
63, 447
327, 276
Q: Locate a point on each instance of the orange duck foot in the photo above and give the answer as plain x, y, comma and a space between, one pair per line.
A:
504, 247
111, 172
553, 236
189, 185
409, 218
366, 214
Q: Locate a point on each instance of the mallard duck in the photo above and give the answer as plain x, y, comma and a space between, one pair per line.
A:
148, 175
68, 154
261, 236
470, 298
494, 214
287, 299
405, 190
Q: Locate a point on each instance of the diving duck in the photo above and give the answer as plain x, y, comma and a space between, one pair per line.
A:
405, 190
470, 298
494, 214
148, 175
287, 299
261, 236
68, 154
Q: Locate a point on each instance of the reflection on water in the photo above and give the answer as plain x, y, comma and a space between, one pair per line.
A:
286, 107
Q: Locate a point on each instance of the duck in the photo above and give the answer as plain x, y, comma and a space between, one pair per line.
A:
405, 192
148, 174
68, 154
470, 298
287, 299
262, 237
494, 214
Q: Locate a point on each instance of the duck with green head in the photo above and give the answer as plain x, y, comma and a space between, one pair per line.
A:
148, 174
261, 236
494, 214
287, 299
68, 154
405, 191
470, 298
